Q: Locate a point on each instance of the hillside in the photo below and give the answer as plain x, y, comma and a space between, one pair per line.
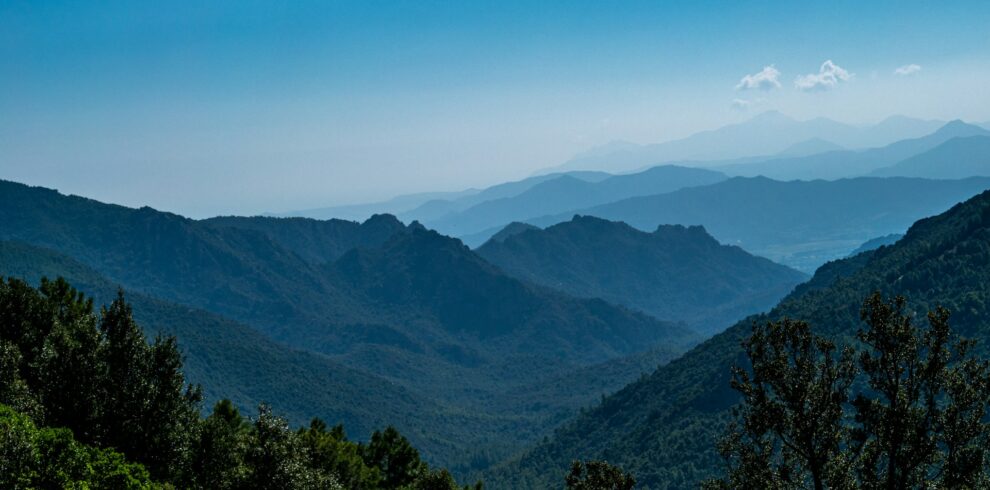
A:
420, 311
843, 164
875, 243
955, 159
663, 428
566, 192
315, 240
231, 360
799, 224
674, 272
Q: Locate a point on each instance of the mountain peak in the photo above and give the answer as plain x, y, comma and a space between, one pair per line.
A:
957, 127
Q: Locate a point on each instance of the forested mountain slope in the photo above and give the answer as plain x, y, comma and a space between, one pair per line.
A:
663, 428
420, 310
674, 272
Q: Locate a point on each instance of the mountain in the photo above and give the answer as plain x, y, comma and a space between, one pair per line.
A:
360, 212
231, 360
813, 146
674, 272
840, 164
876, 243
512, 229
768, 133
799, 224
566, 192
957, 158
439, 208
315, 240
419, 310
663, 428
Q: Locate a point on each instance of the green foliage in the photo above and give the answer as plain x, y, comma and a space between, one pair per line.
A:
664, 428
361, 324
32, 457
598, 475
919, 419
139, 421
789, 431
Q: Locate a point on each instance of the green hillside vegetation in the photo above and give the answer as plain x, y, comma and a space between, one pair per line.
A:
675, 272
799, 224
663, 429
230, 360
420, 320
86, 401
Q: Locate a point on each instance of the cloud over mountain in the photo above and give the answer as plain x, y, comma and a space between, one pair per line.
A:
907, 70
828, 76
765, 79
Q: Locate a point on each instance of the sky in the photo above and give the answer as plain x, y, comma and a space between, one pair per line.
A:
242, 107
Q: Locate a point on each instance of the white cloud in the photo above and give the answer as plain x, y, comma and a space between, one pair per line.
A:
741, 104
907, 70
766, 79
828, 76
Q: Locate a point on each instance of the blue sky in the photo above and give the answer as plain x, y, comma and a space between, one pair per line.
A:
207, 108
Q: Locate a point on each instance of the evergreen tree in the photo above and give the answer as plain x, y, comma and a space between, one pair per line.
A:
598, 475
918, 421
395, 457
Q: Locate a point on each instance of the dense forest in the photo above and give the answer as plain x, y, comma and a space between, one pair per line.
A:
664, 428
87, 402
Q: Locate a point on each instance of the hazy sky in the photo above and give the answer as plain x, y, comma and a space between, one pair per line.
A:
206, 108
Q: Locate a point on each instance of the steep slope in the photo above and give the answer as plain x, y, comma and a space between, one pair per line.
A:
314, 240
664, 427
876, 243
231, 360
420, 310
841, 164
765, 134
957, 158
797, 223
674, 272
567, 192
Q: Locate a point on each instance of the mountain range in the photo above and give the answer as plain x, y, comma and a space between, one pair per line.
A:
408, 309
566, 192
955, 159
664, 427
766, 134
802, 224
675, 272
841, 164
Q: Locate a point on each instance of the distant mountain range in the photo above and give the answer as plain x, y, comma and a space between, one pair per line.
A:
674, 272
563, 193
798, 223
875, 243
955, 159
841, 164
664, 427
769, 133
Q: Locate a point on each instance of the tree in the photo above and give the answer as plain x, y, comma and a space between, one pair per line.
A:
219, 450
395, 457
790, 430
922, 419
918, 420
598, 475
